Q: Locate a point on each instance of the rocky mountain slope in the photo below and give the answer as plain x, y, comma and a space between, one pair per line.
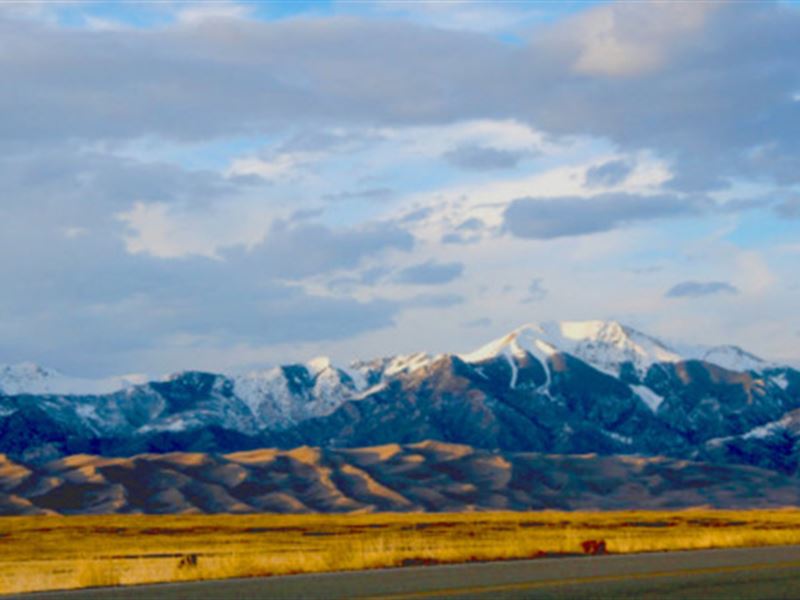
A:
428, 476
565, 388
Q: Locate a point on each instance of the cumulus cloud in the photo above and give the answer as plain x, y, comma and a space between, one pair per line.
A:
548, 218
430, 273
632, 40
101, 309
103, 305
291, 249
696, 289
632, 54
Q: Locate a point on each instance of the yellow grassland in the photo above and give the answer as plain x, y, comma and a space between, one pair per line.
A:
40, 553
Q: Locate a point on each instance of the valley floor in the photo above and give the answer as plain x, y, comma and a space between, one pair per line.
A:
52, 552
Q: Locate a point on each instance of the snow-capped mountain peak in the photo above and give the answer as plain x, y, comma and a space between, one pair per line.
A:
734, 358
24, 377
319, 364
604, 344
609, 344
30, 378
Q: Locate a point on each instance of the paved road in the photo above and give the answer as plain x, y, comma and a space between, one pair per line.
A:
758, 573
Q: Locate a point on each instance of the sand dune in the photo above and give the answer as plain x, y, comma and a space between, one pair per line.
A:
427, 476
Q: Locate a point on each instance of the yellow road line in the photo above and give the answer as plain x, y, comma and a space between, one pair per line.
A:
531, 585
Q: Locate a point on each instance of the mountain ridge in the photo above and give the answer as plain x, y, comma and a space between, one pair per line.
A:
31, 378
568, 387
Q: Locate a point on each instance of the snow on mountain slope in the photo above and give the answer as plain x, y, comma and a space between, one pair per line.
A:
606, 345
278, 398
367, 373
285, 395
649, 397
253, 388
733, 358
29, 378
515, 345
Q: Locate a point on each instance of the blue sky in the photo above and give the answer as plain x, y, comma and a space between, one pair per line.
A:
219, 185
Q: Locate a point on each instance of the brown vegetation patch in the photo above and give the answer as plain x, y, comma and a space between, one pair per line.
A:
38, 553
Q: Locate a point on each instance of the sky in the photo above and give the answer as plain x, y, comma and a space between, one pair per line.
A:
223, 185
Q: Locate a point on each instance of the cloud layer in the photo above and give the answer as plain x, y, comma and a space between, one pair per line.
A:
547, 218
200, 186
696, 289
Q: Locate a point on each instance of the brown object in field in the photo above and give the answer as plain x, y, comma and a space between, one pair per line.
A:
188, 560
594, 547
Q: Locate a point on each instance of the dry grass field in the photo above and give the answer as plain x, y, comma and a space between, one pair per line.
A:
38, 553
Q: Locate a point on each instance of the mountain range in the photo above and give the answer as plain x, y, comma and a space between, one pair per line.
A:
563, 388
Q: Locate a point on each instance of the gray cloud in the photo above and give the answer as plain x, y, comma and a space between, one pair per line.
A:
243, 76
715, 102
482, 158
100, 309
646, 270
417, 215
64, 178
536, 291
476, 323
455, 238
82, 303
435, 301
323, 140
471, 224
547, 218
696, 289
672, 106
295, 251
305, 214
608, 174
789, 208
368, 194
430, 273
467, 232
248, 77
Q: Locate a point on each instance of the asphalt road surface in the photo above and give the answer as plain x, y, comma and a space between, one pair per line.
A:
758, 573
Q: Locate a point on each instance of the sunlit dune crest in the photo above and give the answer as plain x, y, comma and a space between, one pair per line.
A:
263, 456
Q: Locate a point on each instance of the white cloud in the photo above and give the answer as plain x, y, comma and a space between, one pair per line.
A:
164, 231
72, 233
154, 232
754, 274
279, 167
433, 141
629, 39
201, 12
464, 15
